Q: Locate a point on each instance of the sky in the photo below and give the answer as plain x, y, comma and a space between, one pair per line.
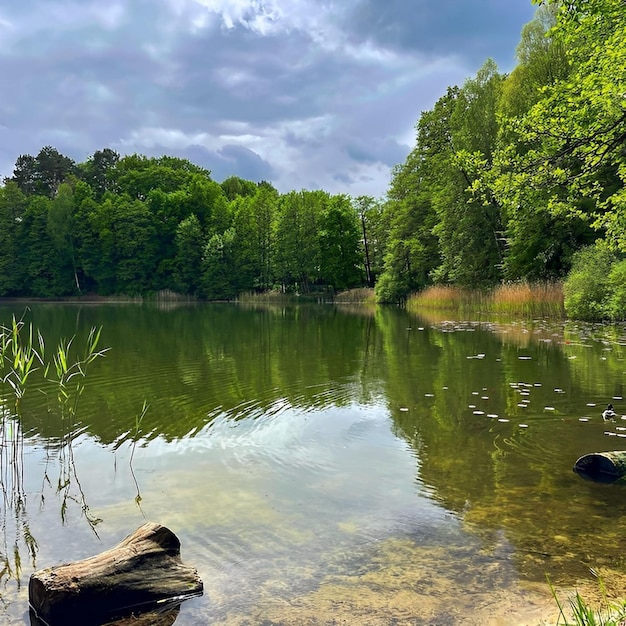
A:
306, 94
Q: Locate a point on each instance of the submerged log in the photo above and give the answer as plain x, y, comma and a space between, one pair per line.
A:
143, 572
604, 467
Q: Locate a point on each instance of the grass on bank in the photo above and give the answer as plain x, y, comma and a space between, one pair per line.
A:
350, 296
528, 300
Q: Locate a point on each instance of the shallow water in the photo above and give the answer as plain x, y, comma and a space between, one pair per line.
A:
324, 465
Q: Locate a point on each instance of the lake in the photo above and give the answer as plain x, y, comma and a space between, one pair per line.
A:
324, 465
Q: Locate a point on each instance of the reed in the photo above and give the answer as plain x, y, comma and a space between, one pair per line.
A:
272, 295
518, 299
23, 366
448, 298
581, 613
544, 299
363, 295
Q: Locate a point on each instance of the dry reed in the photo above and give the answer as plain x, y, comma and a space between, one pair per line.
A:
523, 299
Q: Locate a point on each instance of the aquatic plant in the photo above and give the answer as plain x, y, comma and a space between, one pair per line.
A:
19, 356
520, 299
70, 372
22, 353
23, 366
137, 435
544, 299
582, 613
353, 296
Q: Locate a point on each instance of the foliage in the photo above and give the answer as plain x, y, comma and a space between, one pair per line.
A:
616, 285
565, 152
340, 249
137, 225
587, 285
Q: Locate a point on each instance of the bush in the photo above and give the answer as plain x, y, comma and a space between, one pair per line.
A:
588, 286
616, 299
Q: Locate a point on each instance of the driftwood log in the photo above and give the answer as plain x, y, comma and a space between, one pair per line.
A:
142, 573
603, 467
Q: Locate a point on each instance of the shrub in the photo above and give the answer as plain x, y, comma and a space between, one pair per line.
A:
587, 286
616, 298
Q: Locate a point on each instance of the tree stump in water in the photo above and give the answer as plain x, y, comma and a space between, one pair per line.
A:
139, 574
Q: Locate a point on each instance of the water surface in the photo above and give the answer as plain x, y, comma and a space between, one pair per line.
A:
324, 465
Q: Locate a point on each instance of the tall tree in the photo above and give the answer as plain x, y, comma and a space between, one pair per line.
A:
12, 207
568, 147
297, 240
44, 173
190, 245
218, 267
48, 271
61, 227
470, 229
98, 171
341, 258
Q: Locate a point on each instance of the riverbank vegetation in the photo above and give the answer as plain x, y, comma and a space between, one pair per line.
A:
514, 180
580, 612
530, 300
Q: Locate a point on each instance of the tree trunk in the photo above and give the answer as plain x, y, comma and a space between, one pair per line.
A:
141, 573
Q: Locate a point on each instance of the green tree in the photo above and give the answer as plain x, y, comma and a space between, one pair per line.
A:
99, 170
542, 61
470, 228
48, 272
136, 251
341, 257
218, 266
61, 227
297, 239
369, 211
264, 208
568, 147
12, 207
190, 245
44, 173
234, 186
587, 285
412, 248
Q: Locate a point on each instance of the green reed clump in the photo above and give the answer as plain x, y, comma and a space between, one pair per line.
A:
71, 370
23, 352
20, 356
581, 613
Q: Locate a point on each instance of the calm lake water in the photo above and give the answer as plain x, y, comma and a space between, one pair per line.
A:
323, 465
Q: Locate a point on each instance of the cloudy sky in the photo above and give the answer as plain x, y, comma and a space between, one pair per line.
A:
305, 93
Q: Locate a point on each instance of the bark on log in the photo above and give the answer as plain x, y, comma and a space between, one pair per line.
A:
603, 467
142, 572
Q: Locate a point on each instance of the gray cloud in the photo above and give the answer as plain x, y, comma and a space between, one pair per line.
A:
473, 30
302, 93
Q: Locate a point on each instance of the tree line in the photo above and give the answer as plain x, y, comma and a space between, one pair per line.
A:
513, 177
136, 225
